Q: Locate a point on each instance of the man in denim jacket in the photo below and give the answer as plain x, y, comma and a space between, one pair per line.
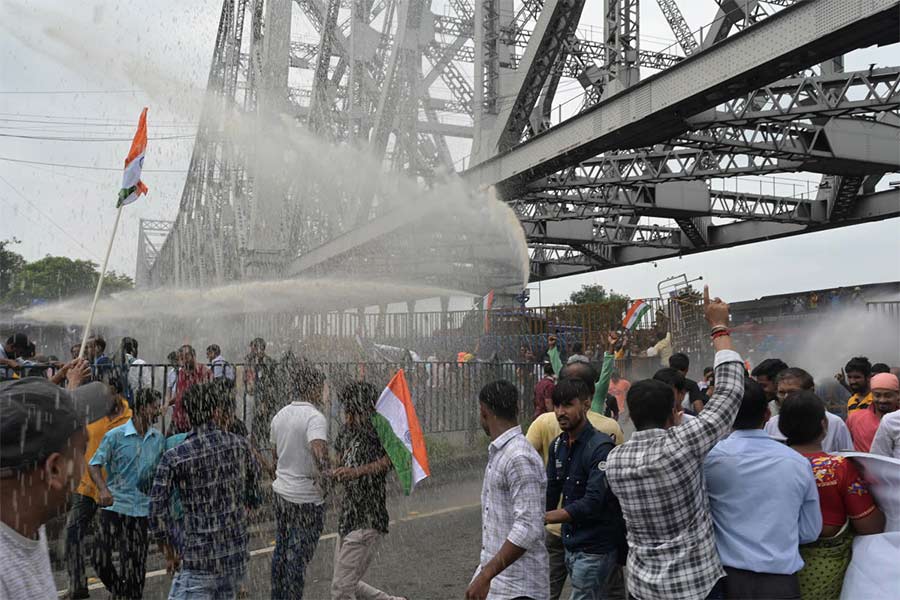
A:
592, 524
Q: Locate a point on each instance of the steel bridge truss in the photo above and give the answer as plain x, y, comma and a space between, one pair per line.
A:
621, 170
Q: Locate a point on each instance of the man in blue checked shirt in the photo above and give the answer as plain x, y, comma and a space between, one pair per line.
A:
216, 476
592, 525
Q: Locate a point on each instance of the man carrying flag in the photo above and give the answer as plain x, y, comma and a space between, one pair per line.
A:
363, 465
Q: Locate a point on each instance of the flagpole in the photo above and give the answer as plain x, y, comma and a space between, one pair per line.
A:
112, 238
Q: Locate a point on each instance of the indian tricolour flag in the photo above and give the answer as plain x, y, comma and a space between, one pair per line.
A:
132, 186
635, 313
398, 429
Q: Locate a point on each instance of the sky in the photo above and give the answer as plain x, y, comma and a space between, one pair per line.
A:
81, 77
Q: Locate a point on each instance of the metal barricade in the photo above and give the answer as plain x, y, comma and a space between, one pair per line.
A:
444, 393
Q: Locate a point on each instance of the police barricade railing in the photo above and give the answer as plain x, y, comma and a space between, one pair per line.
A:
445, 393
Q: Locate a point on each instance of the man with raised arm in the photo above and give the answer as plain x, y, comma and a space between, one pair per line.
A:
658, 477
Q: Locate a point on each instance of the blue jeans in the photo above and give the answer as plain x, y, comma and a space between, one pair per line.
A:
588, 574
202, 585
298, 527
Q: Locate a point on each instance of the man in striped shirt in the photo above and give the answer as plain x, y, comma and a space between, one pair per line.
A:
658, 478
859, 372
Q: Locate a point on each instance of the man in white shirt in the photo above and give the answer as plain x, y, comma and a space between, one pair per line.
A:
514, 562
42, 444
139, 374
15, 346
792, 380
299, 435
221, 368
887, 436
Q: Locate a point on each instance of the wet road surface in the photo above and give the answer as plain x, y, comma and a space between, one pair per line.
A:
430, 553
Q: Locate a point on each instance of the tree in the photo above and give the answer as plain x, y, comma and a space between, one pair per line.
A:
11, 264
114, 282
55, 278
589, 294
605, 308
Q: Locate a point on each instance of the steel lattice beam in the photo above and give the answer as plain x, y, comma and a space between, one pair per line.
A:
648, 112
837, 94
720, 112
732, 151
556, 23
678, 25
549, 261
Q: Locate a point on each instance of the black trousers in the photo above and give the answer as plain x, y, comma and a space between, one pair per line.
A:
81, 515
763, 586
120, 554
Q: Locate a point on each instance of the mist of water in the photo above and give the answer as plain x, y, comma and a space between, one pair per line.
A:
824, 348
254, 297
318, 186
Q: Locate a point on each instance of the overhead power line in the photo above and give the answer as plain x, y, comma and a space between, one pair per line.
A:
46, 216
48, 138
58, 92
86, 167
100, 119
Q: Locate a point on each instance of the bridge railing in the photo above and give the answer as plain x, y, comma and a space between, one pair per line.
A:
445, 393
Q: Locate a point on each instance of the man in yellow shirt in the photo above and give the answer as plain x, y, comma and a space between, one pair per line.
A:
541, 433
859, 372
84, 500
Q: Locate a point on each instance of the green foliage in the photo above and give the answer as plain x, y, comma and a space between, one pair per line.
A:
589, 294
592, 308
11, 264
114, 282
597, 294
58, 277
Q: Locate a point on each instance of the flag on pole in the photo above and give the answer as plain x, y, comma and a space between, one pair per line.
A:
635, 313
488, 302
132, 186
398, 429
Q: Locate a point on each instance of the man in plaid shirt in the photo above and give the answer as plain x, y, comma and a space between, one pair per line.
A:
216, 476
514, 564
658, 478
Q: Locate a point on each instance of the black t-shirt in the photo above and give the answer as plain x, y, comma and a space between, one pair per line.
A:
693, 392
266, 397
364, 505
612, 407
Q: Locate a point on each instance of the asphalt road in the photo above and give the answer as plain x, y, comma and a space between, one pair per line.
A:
430, 553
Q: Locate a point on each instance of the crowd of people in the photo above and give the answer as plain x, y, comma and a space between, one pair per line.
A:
726, 487
85, 441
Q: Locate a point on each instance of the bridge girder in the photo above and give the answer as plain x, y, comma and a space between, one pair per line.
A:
651, 111
619, 182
